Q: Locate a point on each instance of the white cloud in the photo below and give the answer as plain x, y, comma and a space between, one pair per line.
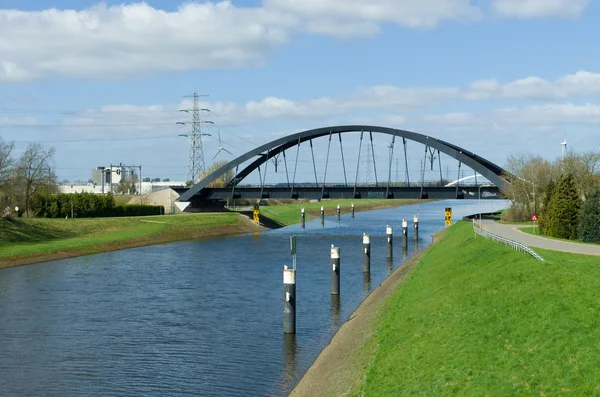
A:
526, 9
357, 17
135, 39
125, 40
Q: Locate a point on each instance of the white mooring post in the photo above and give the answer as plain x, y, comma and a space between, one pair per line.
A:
416, 226
366, 253
335, 270
289, 292
390, 241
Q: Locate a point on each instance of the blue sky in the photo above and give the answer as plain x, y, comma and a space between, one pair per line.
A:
496, 77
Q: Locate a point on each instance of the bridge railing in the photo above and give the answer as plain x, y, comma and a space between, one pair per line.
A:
507, 242
362, 185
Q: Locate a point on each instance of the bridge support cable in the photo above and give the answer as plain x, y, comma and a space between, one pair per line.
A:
234, 184
343, 162
358, 164
326, 164
373, 155
260, 177
440, 163
423, 170
475, 177
391, 154
287, 176
406, 173
264, 178
314, 165
295, 169
458, 178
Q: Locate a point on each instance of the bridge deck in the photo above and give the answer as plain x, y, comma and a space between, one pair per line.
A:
468, 192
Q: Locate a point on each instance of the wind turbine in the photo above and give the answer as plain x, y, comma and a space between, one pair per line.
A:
221, 148
564, 146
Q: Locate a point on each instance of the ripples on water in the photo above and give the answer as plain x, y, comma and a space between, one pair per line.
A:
196, 317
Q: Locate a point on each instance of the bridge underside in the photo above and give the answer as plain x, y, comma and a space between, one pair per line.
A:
314, 193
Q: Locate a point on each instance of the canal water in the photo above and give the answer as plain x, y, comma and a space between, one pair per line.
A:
196, 317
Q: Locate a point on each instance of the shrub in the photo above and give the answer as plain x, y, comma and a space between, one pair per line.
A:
589, 218
89, 205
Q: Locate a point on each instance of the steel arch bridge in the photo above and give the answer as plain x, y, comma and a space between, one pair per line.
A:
264, 153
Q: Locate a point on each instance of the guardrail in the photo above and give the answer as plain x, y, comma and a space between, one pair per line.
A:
509, 243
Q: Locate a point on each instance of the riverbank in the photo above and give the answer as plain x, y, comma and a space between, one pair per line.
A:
26, 241
470, 317
29, 240
289, 214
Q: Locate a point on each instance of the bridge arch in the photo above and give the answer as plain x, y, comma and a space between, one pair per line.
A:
486, 168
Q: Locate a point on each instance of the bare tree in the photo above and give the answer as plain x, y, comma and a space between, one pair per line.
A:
34, 174
6, 163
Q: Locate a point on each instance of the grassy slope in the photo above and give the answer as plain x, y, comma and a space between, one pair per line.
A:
476, 318
288, 214
34, 237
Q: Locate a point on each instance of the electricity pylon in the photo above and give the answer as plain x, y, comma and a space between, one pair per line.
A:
196, 165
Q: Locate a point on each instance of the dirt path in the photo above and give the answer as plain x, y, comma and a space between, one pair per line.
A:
512, 232
339, 369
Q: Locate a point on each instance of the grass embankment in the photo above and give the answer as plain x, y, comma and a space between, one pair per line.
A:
473, 317
26, 241
477, 318
289, 214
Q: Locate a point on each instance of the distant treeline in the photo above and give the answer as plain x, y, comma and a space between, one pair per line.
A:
88, 205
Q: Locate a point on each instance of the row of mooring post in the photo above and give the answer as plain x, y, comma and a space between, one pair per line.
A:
339, 211
289, 275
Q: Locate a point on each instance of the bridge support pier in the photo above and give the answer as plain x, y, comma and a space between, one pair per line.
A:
289, 296
335, 270
366, 253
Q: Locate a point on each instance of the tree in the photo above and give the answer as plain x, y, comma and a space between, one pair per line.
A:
526, 191
589, 218
6, 163
223, 179
34, 174
563, 211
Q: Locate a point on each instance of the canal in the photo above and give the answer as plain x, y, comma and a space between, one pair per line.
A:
195, 317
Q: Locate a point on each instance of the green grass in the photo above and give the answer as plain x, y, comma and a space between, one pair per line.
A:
28, 237
288, 214
476, 318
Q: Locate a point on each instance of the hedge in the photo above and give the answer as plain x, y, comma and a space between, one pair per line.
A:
88, 205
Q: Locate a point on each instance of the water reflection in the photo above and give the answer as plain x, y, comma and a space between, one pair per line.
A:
366, 282
335, 310
390, 266
290, 348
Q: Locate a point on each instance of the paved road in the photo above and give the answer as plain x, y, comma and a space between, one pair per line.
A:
511, 232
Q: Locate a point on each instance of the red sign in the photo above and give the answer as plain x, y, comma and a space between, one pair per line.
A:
534, 218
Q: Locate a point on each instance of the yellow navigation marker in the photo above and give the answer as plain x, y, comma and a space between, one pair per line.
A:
256, 213
448, 216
